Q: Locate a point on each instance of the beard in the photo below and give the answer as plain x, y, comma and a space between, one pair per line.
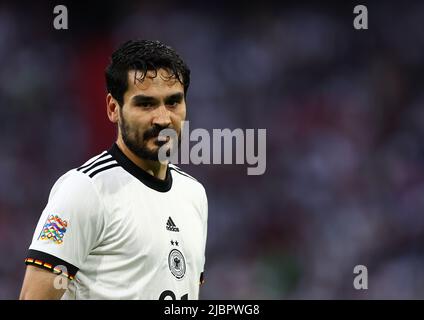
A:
137, 141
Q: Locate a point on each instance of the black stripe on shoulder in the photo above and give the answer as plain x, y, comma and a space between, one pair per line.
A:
104, 154
98, 163
91, 175
182, 173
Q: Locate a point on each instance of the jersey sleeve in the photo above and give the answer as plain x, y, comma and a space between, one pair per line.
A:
69, 227
205, 231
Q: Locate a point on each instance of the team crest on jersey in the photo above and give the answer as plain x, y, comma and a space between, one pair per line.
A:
54, 229
177, 263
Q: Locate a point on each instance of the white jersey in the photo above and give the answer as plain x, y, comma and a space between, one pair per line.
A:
119, 233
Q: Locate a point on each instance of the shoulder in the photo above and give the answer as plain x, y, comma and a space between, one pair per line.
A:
82, 182
74, 188
189, 181
179, 174
98, 164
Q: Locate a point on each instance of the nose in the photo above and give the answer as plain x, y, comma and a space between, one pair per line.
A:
162, 117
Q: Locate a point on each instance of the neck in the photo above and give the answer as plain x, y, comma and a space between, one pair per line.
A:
155, 168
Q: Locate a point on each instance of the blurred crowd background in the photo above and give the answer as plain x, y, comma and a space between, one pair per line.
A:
343, 109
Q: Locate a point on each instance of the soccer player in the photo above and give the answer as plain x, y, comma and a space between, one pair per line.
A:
125, 225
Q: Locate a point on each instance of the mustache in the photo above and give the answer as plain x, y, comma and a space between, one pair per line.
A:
154, 132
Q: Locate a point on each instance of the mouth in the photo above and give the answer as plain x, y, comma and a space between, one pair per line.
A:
162, 141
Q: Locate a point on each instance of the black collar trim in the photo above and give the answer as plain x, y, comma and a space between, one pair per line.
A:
146, 178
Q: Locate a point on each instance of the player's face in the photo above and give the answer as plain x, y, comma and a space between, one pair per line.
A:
151, 105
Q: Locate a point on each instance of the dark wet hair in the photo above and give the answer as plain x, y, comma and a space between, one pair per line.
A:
143, 56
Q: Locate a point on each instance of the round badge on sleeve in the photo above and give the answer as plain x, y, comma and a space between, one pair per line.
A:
177, 263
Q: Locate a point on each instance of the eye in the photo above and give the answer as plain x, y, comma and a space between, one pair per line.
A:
144, 105
173, 104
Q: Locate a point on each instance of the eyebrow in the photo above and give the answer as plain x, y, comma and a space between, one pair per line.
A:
141, 98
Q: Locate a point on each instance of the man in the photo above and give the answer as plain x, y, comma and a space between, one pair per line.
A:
125, 225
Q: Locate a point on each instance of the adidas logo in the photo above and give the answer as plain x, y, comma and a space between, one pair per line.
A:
170, 225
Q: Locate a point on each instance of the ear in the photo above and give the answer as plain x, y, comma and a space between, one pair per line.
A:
112, 107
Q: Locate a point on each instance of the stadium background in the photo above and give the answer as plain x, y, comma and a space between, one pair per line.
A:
344, 116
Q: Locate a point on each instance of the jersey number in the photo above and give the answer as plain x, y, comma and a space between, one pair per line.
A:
169, 293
